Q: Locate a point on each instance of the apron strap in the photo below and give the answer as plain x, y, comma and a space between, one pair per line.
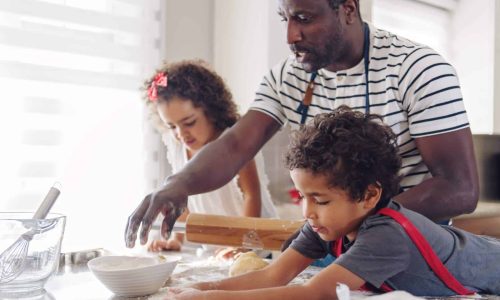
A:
427, 252
423, 247
304, 105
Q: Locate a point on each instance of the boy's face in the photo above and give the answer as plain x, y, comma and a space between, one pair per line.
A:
330, 211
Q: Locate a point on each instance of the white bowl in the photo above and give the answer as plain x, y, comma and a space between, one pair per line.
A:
131, 276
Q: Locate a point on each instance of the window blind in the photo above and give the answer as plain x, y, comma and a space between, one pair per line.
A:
424, 21
70, 72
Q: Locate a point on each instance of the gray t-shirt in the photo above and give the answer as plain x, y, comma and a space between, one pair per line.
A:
383, 252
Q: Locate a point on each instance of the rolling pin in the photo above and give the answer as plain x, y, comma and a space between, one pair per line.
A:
247, 232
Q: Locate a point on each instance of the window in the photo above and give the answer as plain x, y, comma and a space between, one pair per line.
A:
70, 72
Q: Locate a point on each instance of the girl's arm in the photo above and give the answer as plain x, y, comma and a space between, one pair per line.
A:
321, 286
248, 181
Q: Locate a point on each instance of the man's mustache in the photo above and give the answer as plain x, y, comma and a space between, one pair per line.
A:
298, 48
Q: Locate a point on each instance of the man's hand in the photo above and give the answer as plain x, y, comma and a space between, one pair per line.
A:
162, 201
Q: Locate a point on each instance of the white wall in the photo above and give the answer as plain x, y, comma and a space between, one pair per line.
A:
240, 45
496, 101
277, 46
472, 54
189, 30
366, 10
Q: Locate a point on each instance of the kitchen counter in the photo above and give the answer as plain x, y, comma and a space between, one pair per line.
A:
76, 282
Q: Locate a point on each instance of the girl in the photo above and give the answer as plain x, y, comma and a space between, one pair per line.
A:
191, 106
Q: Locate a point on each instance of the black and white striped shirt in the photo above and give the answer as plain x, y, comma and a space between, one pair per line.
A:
411, 86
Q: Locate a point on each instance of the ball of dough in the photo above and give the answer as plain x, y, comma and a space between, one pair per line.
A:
245, 263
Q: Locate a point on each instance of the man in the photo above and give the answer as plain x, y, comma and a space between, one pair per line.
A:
336, 54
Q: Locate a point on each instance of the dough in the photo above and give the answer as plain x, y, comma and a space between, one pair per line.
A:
245, 263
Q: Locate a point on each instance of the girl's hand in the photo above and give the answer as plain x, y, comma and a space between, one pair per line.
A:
184, 294
229, 253
161, 245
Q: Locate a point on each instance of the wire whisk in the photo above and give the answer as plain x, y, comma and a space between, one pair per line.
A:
13, 259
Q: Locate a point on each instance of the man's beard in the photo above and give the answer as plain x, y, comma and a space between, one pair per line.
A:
327, 55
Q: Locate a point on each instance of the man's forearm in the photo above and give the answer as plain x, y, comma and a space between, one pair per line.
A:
210, 168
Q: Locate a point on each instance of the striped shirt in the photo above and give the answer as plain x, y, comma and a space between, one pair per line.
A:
411, 86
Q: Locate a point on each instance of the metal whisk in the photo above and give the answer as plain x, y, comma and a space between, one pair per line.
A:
13, 259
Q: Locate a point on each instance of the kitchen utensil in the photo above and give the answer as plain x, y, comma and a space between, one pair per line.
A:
130, 276
12, 260
42, 258
248, 232
73, 261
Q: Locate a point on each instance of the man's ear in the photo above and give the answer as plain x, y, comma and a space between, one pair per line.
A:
350, 8
372, 196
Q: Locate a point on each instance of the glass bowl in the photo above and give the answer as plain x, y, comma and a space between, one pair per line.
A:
38, 249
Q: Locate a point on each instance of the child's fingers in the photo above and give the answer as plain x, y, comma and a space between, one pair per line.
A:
183, 293
229, 253
155, 246
172, 294
175, 290
225, 253
161, 245
173, 245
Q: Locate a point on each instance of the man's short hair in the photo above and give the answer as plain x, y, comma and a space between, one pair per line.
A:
335, 3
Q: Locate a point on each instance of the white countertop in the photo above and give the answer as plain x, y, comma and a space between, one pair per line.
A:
76, 282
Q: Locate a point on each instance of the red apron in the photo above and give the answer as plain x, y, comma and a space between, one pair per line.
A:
425, 249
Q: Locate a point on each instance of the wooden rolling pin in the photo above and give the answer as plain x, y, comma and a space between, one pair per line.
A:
256, 233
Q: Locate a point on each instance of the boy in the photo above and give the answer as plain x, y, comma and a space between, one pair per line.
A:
345, 165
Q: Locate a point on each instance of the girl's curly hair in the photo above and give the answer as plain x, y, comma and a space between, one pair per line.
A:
194, 80
352, 149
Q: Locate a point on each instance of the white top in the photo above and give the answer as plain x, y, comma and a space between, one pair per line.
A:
412, 87
227, 200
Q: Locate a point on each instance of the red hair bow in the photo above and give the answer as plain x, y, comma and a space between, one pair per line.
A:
159, 80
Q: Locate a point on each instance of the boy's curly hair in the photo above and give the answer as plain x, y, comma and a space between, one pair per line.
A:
194, 80
352, 149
